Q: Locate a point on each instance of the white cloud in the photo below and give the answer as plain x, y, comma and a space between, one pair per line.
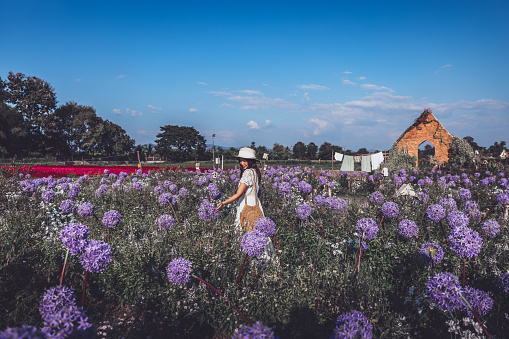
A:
133, 113
78, 80
306, 96
250, 92
220, 93
253, 103
201, 83
193, 110
347, 72
268, 122
117, 111
121, 76
443, 68
362, 78
376, 87
154, 109
322, 125
253, 124
226, 105
348, 82
313, 87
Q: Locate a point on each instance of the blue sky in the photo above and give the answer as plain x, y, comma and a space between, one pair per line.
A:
352, 73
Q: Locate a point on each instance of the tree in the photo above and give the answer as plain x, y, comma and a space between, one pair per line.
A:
362, 150
279, 152
497, 148
311, 151
180, 143
474, 144
460, 153
35, 99
326, 150
398, 159
299, 150
13, 135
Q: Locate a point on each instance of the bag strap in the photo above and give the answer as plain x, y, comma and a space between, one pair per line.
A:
255, 177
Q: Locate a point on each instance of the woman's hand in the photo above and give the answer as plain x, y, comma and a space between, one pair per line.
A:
220, 205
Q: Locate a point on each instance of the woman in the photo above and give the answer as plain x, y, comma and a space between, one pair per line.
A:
249, 184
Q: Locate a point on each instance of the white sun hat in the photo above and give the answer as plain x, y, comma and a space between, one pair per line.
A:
246, 153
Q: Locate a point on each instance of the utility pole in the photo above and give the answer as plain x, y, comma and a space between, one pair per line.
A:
213, 156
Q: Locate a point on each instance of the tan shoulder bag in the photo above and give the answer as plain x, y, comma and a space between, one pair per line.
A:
250, 214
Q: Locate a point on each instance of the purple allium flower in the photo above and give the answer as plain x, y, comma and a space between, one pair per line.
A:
445, 290
104, 180
408, 228
25, 331
304, 187
165, 198
253, 243
503, 198
303, 211
339, 204
465, 194
72, 194
432, 252
183, 192
64, 186
266, 226
207, 211
472, 208
138, 171
322, 181
106, 171
112, 176
172, 188
111, 218
421, 182
367, 227
503, 282
48, 195
491, 228
96, 256
165, 222
465, 242
75, 237
284, 188
158, 189
86, 210
319, 200
485, 181
62, 317
477, 175
376, 198
435, 213
457, 219
353, 324
390, 209
179, 271
480, 301
67, 206
258, 330
137, 186
213, 191
448, 203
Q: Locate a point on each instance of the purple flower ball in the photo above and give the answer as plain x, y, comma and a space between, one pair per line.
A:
390, 209
408, 228
266, 226
165, 199
253, 243
183, 192
465, 194
304, 187
207, 211
111, 218
457, 219
448, 203
435, 213
75, 237
72, 193
376, 198
445, 290
353, 324
67, 206
480, 301
503, 283
48, 195
86, 210
319, 200
258, 330
303, 211
284, 188
367, 227
491, 228
213, 191
96, 256
158, 189
503, 198
465, 242
432, 252
165, 222
179, 271
25, 331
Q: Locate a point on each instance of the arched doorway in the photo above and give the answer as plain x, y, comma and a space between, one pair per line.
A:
426, 154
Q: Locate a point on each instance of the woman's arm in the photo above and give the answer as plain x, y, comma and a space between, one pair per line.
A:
241, 190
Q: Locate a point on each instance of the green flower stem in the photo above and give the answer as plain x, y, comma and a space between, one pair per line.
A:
63, 268
221, 294
171, 205
476, 317
241, 269
84, 288
360, 253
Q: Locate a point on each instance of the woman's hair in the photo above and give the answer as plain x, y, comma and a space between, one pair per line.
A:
251, 163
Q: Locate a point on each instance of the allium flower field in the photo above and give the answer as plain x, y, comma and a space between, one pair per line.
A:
145, 254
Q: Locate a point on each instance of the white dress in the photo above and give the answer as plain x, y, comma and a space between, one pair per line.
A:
249, 177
